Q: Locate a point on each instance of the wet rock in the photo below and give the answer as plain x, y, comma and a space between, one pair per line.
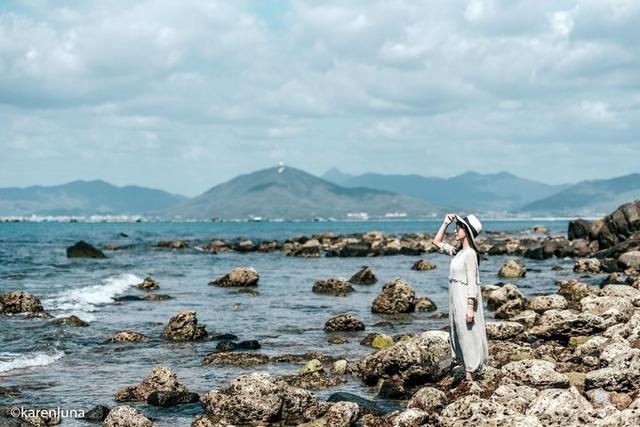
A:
337, 340
313, 365
184, 327
512, 269
428, 399
534, 373
333, 286
365, 406
397, 296
72, 320
343, 322
339, 367
510, 309
97, 414
83, 249
157, 297
423, 265
579, 229
563, 324
561, 407
128, 336
245, 359
20, 302
313, 380
126, 416
425, 304
310, 249
339, 414
630, 259
173, 244
542, 303
167, 399
392, 388
502, 295
240, 276
574, 291
364, 277
381, 341
161, 378
258, 397
148, 284
587, 265
503, 330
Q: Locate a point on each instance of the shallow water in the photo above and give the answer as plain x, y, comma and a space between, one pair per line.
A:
72, 367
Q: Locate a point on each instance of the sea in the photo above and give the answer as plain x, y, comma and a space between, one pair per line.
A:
46, 365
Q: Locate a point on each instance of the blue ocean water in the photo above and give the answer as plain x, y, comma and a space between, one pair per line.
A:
71, 367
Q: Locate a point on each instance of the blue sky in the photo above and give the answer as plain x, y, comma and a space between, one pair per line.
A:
184, 95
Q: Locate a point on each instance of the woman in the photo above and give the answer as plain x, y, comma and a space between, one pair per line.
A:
468, 337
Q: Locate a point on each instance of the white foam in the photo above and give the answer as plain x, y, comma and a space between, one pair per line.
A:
11, 361
82, 301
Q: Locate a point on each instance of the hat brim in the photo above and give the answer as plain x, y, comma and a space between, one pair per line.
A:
468, 230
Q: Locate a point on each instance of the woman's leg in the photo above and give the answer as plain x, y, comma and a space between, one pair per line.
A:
469, 376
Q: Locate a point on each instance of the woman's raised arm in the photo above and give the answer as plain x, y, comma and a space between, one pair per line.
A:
438, 240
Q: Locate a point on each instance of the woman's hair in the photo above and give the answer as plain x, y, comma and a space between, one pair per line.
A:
466, 230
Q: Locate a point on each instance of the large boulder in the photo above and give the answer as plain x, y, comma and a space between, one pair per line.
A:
83, 249
534, 373
621, 375
148, 284
502, 295
512, 269
620, 224
630, 259
397, 296
561, 407
503, 330
428, 399
20, 302
472, 410
241, 276
563, 324
161, 378
126, 416
343, 322
542, 303
579, 229
184, 327
615, 308
574, 291
587, 265
515, 397
364, 277
333, 286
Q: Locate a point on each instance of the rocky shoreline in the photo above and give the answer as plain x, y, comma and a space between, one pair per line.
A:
567, 358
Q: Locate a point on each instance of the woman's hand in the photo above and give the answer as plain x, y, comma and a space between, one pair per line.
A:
470, 314
448, 218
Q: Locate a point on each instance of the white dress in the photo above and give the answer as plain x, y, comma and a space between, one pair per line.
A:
468, 341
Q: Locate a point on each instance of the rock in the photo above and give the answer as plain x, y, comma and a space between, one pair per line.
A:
539, 229
423, 265
167, 399
312, 380
512, 269
83, 249
126, 416
72, 320
184, 327
310, 249
416, 359
428, 399
97, 414
128, 336
161, 378
313, 365
563, 324
630, 259
20, 302
561, 407
619, 225
626, 292
381, 341
244, 246
397, 296
503, 295
542, 303
339, 367
574, 291
515, 397
615, 308
339, 414
157, 297
334, 286
365, 406
534, 373
173, 244
587, 265
240, 276
528, 318
510, 309
425, 304
343, 322
148, 284
337, 340
579, 229
257, 397
622, 374
473, 410
364, 277
503, 330
360, 249
244, 359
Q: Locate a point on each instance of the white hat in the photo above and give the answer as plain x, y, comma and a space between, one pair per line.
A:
473, 226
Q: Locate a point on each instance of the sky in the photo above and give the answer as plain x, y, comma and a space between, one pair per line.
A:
184, 95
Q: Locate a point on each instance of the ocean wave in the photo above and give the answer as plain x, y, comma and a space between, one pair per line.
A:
83, 301
11, 361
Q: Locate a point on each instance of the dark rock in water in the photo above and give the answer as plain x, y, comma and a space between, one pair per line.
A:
423, 265
168, 399
128, 336
128, 298
366, 406
184, 327
579, 229
343, 322
425, 304
392, 388
157, 297
364, 277
397, 296
124, 235
161, 378
361, 249
310, 355
238, 277
148, 284
368, 340
337, 340
20, 302
226, 345
173, 244
97, 414
249, 345
245, 246
10, 392
231, 337
384, 324
313, 380
609, 265
71, 321
83, 249
237, 359
334, 286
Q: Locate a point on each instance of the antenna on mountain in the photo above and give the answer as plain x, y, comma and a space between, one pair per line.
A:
280, 167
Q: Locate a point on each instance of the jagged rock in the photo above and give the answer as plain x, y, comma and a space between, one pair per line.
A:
126, 416
339, 367
148, 284
503, 330
630, 259
72, 320
397, 296
512, 269
503, 352
622, 374
309, 249
562, 324
534, 373
561, 407
542, 303
128, 336
587, 265
244, 359
157, 297
381, 341
167, 399
579, 229
428, 399
503, 295
334, 286
365, 406
364, 277
20, 302
337, 340
615, 308
240, 276
510, 309
184, 327
313, 380
574, 291
339, 414
515, 397
423, 265
343, 322
425, 304
528, 318
83, 249
626, 292
161, 378
473, 410
97, 414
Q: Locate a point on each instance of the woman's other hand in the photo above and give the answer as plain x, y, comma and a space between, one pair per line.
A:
470, 314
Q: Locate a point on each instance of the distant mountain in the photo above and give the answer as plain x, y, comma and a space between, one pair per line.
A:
289, 193
84, 198
499, 192
591, 197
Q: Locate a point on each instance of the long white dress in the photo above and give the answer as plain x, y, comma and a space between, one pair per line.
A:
468, 341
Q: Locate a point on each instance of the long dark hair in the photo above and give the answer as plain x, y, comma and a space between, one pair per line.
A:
473, 245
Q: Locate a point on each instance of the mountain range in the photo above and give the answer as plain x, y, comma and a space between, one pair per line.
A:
289, 193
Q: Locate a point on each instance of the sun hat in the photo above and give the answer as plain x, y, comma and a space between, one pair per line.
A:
473, 226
